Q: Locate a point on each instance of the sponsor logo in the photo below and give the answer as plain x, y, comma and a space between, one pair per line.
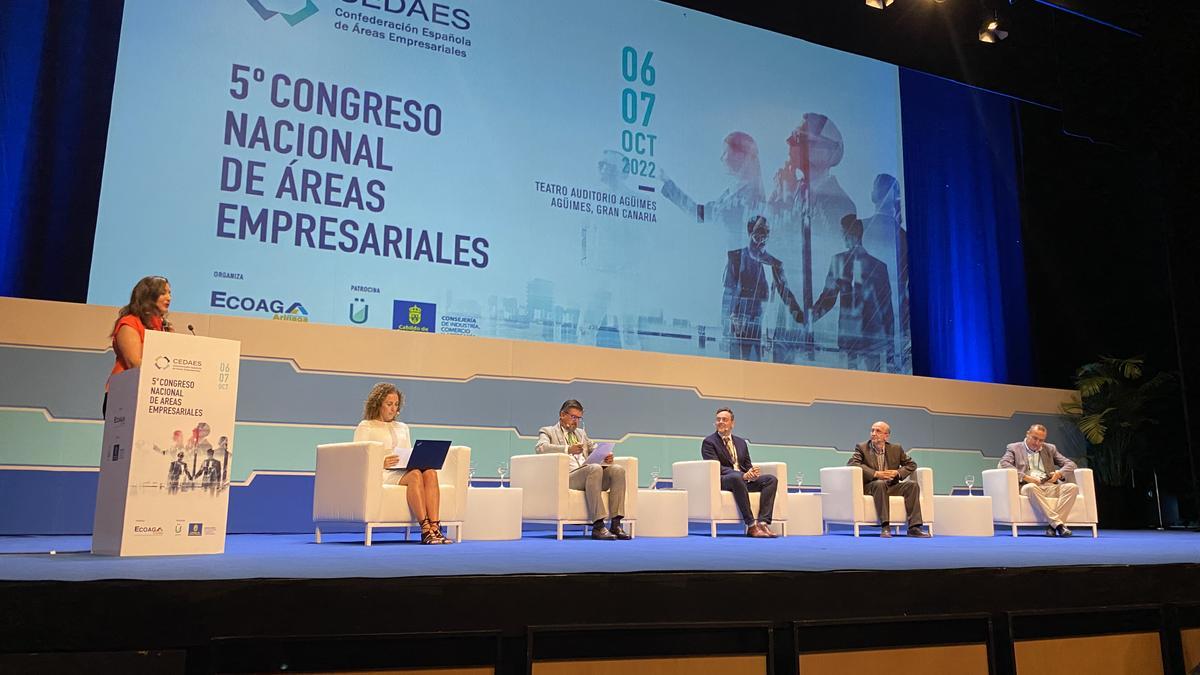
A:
458, 324
178, 529
149, 530
359, 310
418, 317
441, 14
188, 365
281, 310
292, 18
195, 529
294, 313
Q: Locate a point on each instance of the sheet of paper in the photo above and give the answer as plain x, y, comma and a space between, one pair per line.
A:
598, 455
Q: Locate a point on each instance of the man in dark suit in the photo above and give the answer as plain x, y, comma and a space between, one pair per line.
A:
884, 467
747, 289
866, 322
1043, 472
740, 476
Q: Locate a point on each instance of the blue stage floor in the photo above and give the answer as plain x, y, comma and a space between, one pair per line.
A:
249, 556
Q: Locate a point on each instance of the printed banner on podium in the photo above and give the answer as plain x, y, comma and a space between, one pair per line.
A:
168, 444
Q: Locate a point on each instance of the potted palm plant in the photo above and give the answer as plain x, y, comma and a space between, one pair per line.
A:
1115, 407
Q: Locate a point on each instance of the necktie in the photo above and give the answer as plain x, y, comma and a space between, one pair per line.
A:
732, 451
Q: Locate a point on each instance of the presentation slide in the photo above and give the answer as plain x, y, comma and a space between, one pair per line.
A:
625, 174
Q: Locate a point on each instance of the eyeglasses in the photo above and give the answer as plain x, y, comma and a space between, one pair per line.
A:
574, 417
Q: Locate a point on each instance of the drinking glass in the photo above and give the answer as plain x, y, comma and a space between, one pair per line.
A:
970, 481
471, 474
502, 471
655, 472
799, 481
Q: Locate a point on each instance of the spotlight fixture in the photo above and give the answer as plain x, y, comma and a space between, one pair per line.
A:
990, 31
879, 4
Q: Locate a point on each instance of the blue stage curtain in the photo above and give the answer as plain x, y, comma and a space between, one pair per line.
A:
966, 263
57, 62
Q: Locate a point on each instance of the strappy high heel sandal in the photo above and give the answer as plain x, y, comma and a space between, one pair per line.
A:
430, 533
437, 527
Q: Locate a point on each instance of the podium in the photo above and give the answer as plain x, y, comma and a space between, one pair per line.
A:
168, 445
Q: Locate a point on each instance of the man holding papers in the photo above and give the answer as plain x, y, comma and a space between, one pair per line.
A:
740, 476
592, 469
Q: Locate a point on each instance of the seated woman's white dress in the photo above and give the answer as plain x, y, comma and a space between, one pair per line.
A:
395, 439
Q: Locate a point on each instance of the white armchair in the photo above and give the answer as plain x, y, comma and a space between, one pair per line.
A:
844, 502
549, 499
349, 489
1010, 507
708, 503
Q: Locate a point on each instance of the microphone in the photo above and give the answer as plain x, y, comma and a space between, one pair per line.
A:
191, 329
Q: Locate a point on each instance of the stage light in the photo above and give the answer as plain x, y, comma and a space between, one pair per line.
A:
990, 31
879, 4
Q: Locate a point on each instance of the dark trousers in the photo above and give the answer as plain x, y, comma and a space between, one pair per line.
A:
741, 489
881, 490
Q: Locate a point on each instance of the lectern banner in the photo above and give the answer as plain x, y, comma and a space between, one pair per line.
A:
168, 446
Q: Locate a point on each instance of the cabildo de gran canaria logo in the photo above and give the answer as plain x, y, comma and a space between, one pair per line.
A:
419, 317
292, 11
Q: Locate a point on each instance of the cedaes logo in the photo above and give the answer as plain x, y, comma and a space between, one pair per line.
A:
433, 12
292, 11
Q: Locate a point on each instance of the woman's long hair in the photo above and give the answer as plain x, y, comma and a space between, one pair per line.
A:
143, 301
375, 399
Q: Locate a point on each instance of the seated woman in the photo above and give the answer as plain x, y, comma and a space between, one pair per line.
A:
379, 424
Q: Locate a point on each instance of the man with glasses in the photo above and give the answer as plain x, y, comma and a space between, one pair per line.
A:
1042, 472
570, 438
885, 466
806, 205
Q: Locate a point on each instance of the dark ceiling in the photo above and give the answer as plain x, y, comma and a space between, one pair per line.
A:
1057, 54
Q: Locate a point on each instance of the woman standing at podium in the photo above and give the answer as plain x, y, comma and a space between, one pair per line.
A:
147, 310
379, 424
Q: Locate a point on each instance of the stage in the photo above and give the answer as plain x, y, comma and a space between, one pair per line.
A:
343, 555
274, 601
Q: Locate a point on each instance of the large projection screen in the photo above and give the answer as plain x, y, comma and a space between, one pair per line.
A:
626, 174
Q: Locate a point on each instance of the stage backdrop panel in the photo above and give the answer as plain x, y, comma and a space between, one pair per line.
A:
576, 173
301, 385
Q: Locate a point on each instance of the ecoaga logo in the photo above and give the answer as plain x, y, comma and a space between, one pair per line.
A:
279, 309
292, 11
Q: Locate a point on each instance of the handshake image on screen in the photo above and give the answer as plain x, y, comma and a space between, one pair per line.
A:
768, 308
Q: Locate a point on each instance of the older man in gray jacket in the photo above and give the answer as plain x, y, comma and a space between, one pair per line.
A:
568, 437
1042, 472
